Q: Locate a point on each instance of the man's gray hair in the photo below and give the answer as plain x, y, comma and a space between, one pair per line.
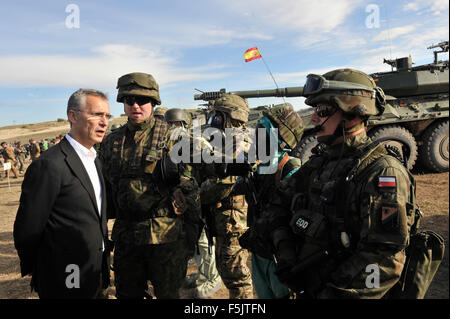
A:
77, 100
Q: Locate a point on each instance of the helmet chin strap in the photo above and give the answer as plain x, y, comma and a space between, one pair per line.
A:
342, 132
346, 132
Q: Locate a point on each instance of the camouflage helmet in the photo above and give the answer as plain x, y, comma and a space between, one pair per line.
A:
176, 115
160, 110
352, 91
140, 84
288, 122
234, 105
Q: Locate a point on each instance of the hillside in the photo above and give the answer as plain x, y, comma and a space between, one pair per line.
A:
38, 131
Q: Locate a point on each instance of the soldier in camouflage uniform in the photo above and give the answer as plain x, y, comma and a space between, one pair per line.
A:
148, 202
339, 227
207, 280
9, 157
285, 126
229, 210
35, 150
160, 111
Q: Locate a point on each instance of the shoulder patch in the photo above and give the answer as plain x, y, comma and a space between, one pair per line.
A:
387, 181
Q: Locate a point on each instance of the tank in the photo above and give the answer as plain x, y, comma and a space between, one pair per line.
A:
415, 120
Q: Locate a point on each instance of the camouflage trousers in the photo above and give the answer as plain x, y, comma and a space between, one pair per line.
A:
165, 265
231, 258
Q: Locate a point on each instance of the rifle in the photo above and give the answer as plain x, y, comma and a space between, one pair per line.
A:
209, 224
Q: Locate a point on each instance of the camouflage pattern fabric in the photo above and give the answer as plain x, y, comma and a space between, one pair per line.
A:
140, 84
150, 238
230, 215
379, 214
9, 157
164, 265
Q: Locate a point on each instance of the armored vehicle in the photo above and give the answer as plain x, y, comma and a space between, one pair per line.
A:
416, 117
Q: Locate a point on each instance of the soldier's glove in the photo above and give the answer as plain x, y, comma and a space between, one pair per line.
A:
285, 260
179, 203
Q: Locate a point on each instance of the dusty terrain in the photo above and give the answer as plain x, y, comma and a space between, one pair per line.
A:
432, 196
42, 130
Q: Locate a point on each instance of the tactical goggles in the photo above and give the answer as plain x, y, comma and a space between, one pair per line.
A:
139, 100
316, 83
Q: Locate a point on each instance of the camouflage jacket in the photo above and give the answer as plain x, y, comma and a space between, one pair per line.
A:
8, 154
35, 150
349, 210
140, 199
217, 193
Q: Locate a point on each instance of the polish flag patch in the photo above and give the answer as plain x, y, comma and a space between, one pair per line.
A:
387, 181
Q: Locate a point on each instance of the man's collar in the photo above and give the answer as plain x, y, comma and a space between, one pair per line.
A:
78, 147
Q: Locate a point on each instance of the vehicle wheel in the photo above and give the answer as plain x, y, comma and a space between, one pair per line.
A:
304, 148
434, 148
398, 137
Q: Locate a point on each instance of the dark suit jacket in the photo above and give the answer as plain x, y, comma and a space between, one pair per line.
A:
58, 226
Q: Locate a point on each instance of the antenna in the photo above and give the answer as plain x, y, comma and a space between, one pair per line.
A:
253, 54
388, 35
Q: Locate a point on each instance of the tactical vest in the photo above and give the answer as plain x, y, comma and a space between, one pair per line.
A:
133, 169
321, 214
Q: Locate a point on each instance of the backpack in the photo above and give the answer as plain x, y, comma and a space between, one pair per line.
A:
288, 122
423, 257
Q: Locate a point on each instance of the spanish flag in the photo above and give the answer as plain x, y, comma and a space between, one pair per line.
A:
252, 54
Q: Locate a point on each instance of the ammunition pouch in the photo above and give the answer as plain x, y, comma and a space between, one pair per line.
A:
310, 225
314, 229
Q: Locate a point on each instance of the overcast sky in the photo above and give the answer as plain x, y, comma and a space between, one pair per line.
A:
49, 49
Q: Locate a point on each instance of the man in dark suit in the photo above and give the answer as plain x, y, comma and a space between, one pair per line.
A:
60, 231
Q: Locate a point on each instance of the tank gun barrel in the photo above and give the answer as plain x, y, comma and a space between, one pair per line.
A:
293, 91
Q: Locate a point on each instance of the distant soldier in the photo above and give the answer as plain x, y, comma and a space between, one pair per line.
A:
9, 157
35, 150
20, 155
207, 280
160, 111
44, 144
147, 195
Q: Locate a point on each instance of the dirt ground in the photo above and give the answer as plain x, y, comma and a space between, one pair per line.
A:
432, 196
